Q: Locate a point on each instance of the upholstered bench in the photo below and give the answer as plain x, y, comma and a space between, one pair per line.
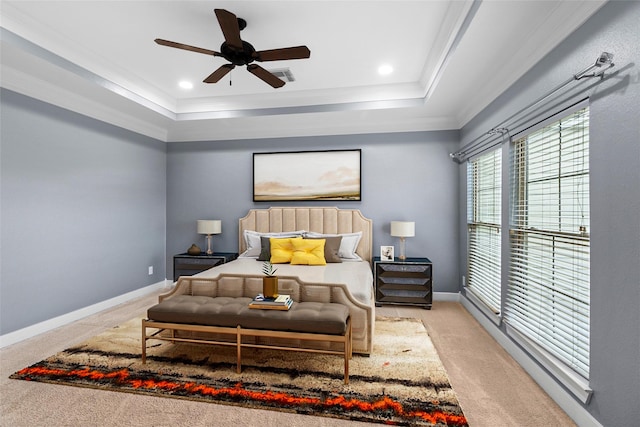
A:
304, 321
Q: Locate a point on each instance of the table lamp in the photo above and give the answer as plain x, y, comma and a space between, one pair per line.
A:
209, 227
403, 229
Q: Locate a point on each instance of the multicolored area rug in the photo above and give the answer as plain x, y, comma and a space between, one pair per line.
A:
402, 383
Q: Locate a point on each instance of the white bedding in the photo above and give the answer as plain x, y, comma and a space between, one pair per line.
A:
356, 275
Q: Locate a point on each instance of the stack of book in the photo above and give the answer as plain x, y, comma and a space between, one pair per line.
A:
281, 302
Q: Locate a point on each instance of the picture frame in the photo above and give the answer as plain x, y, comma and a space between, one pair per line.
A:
307, 176
386, 253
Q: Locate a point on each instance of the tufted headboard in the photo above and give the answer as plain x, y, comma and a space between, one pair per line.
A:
328, 220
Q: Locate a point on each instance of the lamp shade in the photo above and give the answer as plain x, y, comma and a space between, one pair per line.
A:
403, 228
209, 226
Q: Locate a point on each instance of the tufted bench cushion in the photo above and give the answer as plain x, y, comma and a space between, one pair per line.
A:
310, 317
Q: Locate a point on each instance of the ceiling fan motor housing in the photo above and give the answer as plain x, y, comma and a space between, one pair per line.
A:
236, 56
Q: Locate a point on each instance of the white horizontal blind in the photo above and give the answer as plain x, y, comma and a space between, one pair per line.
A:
548, 296
483, 226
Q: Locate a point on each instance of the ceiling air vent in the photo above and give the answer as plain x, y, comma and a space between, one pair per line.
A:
283, 74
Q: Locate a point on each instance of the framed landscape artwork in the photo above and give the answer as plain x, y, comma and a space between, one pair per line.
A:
307, 176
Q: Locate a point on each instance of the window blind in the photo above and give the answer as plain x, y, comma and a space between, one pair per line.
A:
548, 294
484, 191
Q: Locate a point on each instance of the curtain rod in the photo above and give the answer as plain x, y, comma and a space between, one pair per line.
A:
604, 60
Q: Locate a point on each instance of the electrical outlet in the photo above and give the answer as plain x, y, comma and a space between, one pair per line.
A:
150, 270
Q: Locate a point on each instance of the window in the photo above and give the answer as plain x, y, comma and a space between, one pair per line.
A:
549, 287
483, 227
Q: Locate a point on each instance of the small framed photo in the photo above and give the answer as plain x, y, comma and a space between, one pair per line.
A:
386, 253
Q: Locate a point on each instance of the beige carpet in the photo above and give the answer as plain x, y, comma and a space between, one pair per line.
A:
402, 382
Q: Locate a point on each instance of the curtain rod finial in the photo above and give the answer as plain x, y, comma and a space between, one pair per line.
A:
604, 58
457, 157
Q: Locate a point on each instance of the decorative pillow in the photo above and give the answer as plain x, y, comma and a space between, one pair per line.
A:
253, 242
265, 248
282, 249
308, 251
331, 247
348, 245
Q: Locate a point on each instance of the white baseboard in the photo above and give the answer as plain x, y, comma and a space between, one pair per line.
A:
446, 296
563, 398
65, 319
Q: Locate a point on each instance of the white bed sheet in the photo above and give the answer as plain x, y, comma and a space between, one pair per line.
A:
357, 275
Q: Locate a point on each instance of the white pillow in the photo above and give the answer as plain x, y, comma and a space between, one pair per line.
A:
348, 245
253, 244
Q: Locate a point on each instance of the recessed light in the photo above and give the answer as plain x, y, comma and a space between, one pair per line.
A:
185, 84
385, 69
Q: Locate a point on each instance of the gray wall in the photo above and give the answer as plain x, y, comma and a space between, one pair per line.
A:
405, 176
82, 214
615, 197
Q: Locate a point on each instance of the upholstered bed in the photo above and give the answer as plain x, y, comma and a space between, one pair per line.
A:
349, 281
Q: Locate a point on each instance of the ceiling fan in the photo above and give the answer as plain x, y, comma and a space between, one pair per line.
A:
240, 52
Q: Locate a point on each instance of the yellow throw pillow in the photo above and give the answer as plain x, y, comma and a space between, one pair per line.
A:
281, 249
308, 252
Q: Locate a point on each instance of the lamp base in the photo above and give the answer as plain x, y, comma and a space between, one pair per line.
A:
209, 251
402, 255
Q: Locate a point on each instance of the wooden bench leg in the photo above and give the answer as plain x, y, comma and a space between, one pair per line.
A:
144, 341
239, 346
347, 351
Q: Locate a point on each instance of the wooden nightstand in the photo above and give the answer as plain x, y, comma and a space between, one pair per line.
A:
405, 281
188, 265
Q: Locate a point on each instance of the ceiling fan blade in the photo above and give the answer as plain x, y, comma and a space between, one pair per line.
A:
219, 73
230, 28
187, 47
265, 76
296, 52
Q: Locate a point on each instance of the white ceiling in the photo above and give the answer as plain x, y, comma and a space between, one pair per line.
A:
450, 60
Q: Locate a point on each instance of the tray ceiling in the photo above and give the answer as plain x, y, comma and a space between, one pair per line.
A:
450, 59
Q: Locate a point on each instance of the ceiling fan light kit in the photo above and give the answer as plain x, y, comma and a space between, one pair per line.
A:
239, 52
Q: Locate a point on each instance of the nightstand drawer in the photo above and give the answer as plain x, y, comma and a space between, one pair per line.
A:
188, 265
195, 263
404, 296
404, 269
404, 281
